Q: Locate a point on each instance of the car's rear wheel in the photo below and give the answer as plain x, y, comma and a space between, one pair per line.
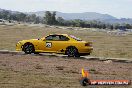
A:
72, 52
28, 48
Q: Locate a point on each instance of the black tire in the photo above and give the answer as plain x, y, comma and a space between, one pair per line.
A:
72, 52
36, 52
85, 82
28, 48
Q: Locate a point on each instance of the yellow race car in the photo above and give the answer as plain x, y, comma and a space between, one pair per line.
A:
56, 43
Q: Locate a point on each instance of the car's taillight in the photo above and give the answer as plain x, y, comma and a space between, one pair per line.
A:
88, 44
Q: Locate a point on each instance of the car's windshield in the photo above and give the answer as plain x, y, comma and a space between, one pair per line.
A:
78, 39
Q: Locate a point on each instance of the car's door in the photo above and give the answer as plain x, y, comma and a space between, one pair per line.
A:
55, 43
40, 45
50, 43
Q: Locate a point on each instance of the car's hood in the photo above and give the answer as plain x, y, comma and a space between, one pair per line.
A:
30, 40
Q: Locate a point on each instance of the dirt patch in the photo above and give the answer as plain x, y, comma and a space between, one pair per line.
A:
30, 71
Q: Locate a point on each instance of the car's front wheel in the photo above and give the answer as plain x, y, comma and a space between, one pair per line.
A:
72, 52
28, 48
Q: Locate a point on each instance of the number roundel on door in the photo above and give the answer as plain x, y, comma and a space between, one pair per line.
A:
48, 44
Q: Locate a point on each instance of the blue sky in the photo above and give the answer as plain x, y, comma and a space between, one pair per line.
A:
117, 8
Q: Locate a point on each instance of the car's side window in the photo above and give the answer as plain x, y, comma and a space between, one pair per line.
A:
57, 38
49, 38
53, 38
63, 38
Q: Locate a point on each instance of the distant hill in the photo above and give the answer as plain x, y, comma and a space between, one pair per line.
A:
120, 21
10, 11
1, 9
83, 16
88, 16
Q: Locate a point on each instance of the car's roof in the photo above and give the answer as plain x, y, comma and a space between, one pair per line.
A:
60, 34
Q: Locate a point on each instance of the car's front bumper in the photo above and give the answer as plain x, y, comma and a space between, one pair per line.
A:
18, 47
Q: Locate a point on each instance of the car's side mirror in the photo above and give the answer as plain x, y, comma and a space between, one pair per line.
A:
44, 39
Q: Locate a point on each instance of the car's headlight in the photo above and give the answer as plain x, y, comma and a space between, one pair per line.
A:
19, 43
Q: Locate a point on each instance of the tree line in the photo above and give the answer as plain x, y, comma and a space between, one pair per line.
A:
50, 18
20, 17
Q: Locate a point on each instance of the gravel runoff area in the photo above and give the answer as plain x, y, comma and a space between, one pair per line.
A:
39, 71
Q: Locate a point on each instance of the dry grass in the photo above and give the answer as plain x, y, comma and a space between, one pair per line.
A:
30, 71
105, 45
